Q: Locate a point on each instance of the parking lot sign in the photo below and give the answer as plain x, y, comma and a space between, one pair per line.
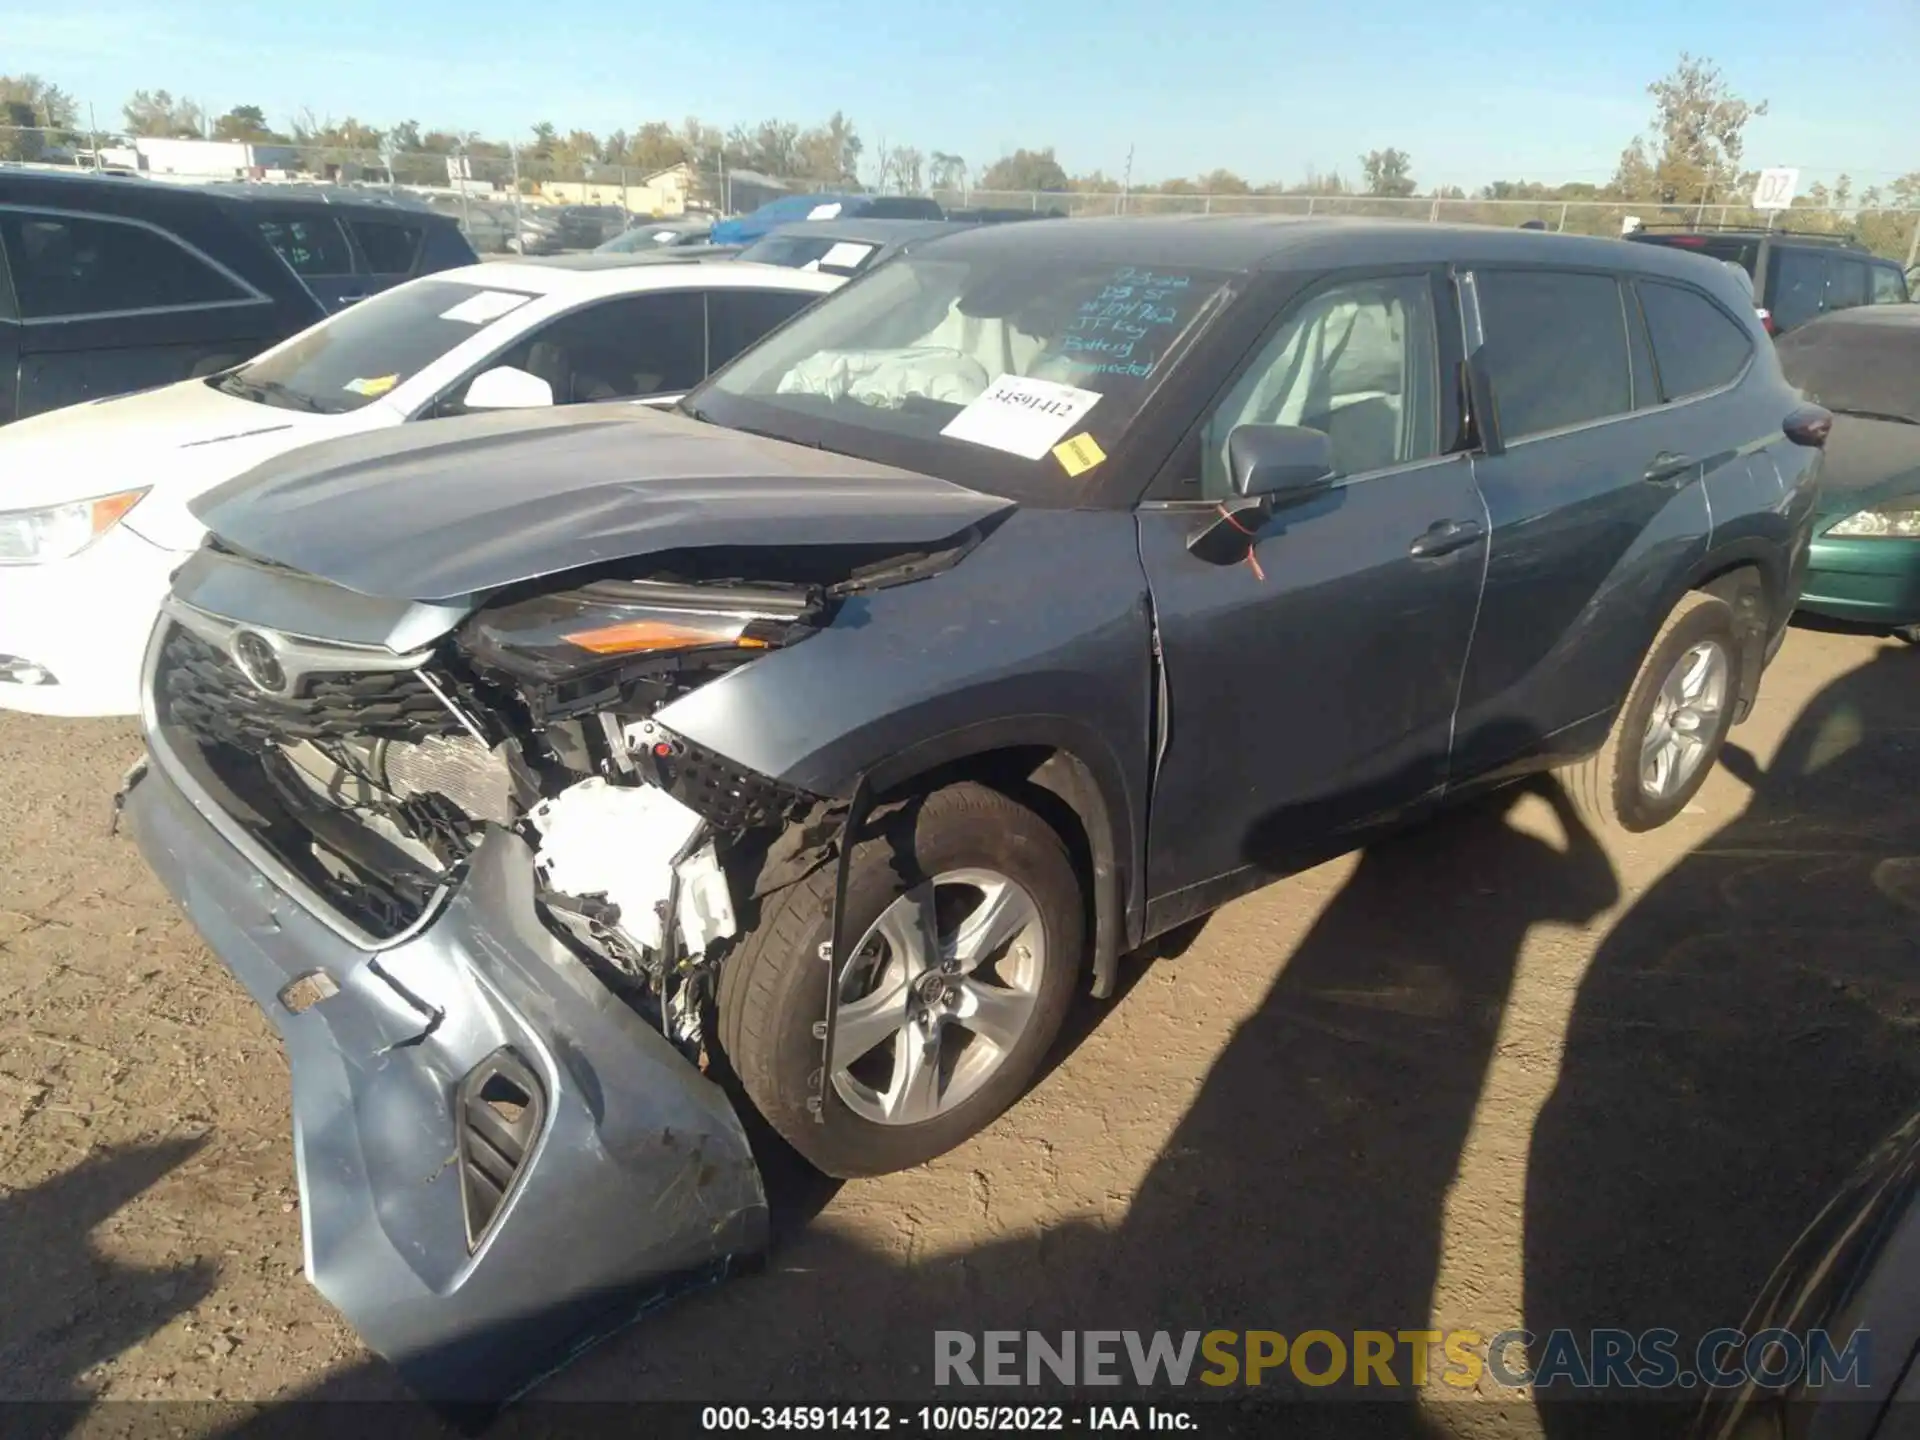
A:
1775, 189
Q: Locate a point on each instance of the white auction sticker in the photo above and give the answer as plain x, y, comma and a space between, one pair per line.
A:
846, 255
485, 305
1021, 416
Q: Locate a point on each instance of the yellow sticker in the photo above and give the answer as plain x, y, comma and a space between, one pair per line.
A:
1078, 455
371, 388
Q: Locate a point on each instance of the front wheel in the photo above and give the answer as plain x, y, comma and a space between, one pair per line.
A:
966, 928
1667, 736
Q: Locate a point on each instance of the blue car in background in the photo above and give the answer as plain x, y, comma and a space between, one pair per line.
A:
790, 208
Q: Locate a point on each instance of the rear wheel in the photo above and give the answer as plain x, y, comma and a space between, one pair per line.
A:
1667, 736
965, 923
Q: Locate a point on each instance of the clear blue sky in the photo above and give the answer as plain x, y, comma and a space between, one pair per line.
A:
1473, 89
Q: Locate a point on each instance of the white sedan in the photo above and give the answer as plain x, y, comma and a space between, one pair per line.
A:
93, 498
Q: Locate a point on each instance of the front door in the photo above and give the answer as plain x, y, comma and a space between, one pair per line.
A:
1309, 689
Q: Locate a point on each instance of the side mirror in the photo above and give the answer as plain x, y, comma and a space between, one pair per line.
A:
1280, 463
506, 388
1270, 467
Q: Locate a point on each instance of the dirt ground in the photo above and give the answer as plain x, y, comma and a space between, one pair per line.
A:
1494, 1073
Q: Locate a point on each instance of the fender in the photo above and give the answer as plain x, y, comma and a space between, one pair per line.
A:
1084, 773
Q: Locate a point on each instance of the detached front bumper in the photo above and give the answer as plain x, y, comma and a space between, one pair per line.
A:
638, 1183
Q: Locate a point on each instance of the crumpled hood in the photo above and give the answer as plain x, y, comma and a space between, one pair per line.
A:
452, 508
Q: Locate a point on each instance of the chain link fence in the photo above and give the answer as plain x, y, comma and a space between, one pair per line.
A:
496, 188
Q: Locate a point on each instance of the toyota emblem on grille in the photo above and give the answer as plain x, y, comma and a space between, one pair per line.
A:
257, 661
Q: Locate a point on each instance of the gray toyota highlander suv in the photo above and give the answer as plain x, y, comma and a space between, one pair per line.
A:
560, 781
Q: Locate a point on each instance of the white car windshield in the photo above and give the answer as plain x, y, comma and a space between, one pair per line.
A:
365, 352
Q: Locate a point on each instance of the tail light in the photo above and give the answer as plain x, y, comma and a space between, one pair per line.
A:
1808, 425
1766, 320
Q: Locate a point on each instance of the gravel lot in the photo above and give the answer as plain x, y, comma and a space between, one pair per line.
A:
1493, 1073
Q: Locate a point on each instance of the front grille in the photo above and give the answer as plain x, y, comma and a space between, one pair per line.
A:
500, 1111
201, 690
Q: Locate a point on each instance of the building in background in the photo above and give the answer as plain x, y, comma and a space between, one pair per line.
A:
662, 192
213, 159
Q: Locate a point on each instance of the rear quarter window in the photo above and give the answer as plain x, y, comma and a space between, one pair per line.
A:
1556, 343
1696, 346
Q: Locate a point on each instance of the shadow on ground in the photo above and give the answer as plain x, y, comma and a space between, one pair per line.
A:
1742, 1038
69, 1306
1744, 1034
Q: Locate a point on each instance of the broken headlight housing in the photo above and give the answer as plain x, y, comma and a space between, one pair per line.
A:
553, 638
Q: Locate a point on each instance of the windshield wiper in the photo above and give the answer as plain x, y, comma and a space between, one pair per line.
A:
1874, 415
274, 392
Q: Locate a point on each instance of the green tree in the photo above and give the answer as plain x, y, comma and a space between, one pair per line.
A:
34, 113
1223, 182
1025, 170
1695, 150
156, 113
946, 171
246, 123
828, 153
1388, 172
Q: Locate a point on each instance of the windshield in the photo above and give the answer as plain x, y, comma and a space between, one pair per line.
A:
644, 238
367, 351
995, 371
811, 252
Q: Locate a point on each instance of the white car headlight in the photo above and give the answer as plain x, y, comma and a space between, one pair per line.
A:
1898, 521
56, 532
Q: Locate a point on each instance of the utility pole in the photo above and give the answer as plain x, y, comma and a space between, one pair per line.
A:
93, 135
1126, 181
513, 155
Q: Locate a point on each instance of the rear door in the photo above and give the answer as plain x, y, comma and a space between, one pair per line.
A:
389, 249
1310, 689
315, 247
1597, 497
108, 304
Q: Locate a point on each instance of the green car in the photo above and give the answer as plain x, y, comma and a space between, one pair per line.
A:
1864, 366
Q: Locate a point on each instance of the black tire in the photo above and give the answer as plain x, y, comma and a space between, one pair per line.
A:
1605, 787
773, 986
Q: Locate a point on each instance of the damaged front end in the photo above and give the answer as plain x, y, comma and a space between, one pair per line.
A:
482, 892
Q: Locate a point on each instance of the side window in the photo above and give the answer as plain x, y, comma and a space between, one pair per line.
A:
737, 319
390, 246
1556, 348
310, 244
1695, 344
1358, 361
1846, 283
1889, 286
67, 266
640, 345
1799, 279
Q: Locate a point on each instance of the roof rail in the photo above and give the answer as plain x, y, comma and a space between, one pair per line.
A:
1713, 228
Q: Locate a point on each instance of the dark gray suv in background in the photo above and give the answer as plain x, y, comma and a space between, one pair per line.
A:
558, 780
